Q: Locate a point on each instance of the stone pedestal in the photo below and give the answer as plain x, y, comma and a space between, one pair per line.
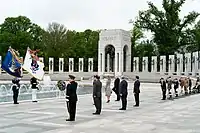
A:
179, 64
162, 64
171, 65
154, 64
51, 65
41, 59
136, 64
145, 64
194, 63
90, 65
187, 63
0, 63
80, 64
61, 65
71, 64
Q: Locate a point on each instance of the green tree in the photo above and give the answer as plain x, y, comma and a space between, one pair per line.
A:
166, 25
19, 33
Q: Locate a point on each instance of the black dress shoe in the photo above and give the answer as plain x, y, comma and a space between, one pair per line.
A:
16, 103
70, 119
122, 109
96, 113
117, 100
136, 105
108, 101
34, 101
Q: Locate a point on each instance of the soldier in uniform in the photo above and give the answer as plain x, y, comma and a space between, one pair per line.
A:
136, 91
123, 93
97, 96
15, 89
116, 88
169, 86
176, 85
34, 89
71, 98
164, 88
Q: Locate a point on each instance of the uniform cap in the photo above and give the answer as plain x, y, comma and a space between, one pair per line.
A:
71, 77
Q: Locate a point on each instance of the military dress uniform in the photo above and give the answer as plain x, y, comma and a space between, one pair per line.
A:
34, 89
71, 98
136, 91
15, 89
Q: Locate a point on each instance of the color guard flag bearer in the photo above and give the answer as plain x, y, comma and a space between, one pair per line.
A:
35, 68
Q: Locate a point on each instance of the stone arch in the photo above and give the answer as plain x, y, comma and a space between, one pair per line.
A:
125, 58
109, 58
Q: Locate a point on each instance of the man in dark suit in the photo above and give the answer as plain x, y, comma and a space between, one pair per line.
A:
123, 93
71, 98
116, 88
97, 85
15, 88
136, 91
163, 88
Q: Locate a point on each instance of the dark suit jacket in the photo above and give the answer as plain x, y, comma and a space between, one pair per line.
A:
71, 91
97, 85
116, 84
163, 86
123, 87
136, 86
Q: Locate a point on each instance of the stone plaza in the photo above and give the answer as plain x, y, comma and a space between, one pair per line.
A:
153, 115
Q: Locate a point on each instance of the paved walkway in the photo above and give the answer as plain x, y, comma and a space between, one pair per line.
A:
153, 116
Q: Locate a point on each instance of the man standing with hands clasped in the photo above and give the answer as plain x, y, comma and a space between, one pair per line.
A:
71, 98
136, 91
97, 85
123, 93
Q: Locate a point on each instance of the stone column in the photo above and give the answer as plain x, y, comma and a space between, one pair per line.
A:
136, 64
41, 59
171, 65
154, 64
61, 65
90, 65
162, 64
81, 65
71, 65
179, 64
194, 63
0, 63
145, 64
187, 63
51, 65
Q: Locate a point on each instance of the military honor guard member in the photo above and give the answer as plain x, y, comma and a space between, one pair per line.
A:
71, 98
136, 91
97, 94
15, 89
123, 93
34, 87
163, 88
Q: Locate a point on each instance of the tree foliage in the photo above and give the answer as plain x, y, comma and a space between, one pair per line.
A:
168, 29
19, 32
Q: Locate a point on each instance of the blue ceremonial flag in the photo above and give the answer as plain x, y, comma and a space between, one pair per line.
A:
12, 63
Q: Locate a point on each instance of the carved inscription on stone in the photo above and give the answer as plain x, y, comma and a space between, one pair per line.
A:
109, 38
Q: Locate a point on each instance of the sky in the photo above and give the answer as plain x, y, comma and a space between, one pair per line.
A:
83, 14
